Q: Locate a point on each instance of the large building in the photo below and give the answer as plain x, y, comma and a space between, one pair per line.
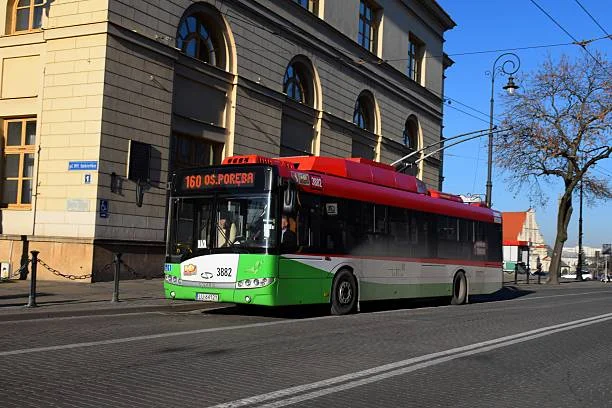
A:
101, 99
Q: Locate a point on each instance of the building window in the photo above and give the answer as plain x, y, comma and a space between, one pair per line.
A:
296, 84
18, 170
363, 115
411, 134
195, 152
298, 122
415, 58
197, 39
368, 29
24, 15
310, 5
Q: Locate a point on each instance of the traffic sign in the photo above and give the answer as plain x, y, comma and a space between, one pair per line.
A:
103, 208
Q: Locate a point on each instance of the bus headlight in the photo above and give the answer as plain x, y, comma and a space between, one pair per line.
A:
254, 283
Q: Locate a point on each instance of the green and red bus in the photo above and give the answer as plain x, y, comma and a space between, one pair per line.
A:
307, 230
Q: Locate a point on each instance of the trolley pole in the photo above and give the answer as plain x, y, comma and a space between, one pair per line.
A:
32, 298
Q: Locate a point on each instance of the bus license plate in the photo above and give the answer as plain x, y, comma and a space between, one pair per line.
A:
207, 297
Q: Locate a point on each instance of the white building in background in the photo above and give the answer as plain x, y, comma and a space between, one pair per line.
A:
523, 241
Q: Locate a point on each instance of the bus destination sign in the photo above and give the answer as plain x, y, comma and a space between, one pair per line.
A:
218, 180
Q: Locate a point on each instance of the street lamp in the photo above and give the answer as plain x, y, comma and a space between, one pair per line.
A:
509, 67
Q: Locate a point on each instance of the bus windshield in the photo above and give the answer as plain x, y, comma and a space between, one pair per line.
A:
222, 224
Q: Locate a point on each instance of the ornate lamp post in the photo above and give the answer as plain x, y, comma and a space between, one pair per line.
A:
509, 67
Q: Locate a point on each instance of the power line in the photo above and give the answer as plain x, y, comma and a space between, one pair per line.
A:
581, 43
449, 99
592, 18
469, 114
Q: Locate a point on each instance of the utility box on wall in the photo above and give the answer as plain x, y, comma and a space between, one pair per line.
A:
5, 270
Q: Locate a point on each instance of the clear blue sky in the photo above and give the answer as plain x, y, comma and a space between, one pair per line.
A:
495, 25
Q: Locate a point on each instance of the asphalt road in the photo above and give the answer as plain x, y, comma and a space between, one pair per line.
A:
547, 347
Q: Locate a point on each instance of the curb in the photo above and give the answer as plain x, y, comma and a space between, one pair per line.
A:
37, 313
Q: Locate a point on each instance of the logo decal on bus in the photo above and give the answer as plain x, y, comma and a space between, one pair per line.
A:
190, 270
301, 178
206, 275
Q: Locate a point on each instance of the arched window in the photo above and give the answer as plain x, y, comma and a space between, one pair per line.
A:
298, 121
199, 37
292, 85
298, 82
24, 15
363, 115
411, 133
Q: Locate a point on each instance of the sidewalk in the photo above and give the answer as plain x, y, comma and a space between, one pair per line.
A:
60, 299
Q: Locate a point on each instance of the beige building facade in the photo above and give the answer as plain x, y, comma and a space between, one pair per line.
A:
88, 85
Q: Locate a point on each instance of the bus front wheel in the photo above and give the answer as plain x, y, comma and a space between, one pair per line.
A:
344, 293
459, 289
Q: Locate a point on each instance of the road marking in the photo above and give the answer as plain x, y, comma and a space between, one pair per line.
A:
552, 296
192, 332
379, 373
47, 319
154, 336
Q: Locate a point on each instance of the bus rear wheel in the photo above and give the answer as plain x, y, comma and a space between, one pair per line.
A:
459, 289
344, 293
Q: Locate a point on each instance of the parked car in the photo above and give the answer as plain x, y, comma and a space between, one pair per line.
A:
585, 276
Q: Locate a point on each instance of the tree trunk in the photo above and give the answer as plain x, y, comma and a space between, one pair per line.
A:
563, 218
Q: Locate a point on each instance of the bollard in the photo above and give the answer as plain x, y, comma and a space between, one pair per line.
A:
32, 299
515, 274
528, 272
117, 262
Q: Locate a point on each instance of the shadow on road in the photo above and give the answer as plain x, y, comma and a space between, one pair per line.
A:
505, 293
309, 311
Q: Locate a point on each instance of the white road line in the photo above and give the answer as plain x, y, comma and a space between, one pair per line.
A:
153, 336
192, 332
553, 296
404, 366
48, 319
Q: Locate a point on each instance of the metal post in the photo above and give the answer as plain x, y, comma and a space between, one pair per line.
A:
32, 299
515, 274
514, 61
579, 266
23, 275
117, 261
490, 151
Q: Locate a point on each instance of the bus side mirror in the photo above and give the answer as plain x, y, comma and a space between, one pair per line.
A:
289, 198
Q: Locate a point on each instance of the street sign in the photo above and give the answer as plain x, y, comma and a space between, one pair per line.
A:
87, 178
103, 208
606, 249
82, 165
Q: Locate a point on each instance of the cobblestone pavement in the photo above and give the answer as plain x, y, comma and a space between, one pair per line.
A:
518, 348
67, 298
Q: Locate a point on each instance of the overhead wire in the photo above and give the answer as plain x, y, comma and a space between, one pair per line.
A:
583, 44
592, 18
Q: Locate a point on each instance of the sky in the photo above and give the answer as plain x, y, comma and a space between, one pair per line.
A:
496, 25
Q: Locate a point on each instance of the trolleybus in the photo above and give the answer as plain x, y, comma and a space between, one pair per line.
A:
306, 230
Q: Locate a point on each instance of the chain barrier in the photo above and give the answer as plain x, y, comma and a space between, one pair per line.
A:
63, 275
20, 270
104, 269
137, 275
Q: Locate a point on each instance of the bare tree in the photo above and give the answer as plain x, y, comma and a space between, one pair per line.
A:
560, 129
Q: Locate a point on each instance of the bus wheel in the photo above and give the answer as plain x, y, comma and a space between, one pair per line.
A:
459, 289
344, 293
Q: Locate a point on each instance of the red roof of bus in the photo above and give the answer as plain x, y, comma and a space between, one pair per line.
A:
357, 178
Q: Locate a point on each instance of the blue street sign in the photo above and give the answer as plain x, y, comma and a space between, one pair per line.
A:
87, 178
103, 208
83, 165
